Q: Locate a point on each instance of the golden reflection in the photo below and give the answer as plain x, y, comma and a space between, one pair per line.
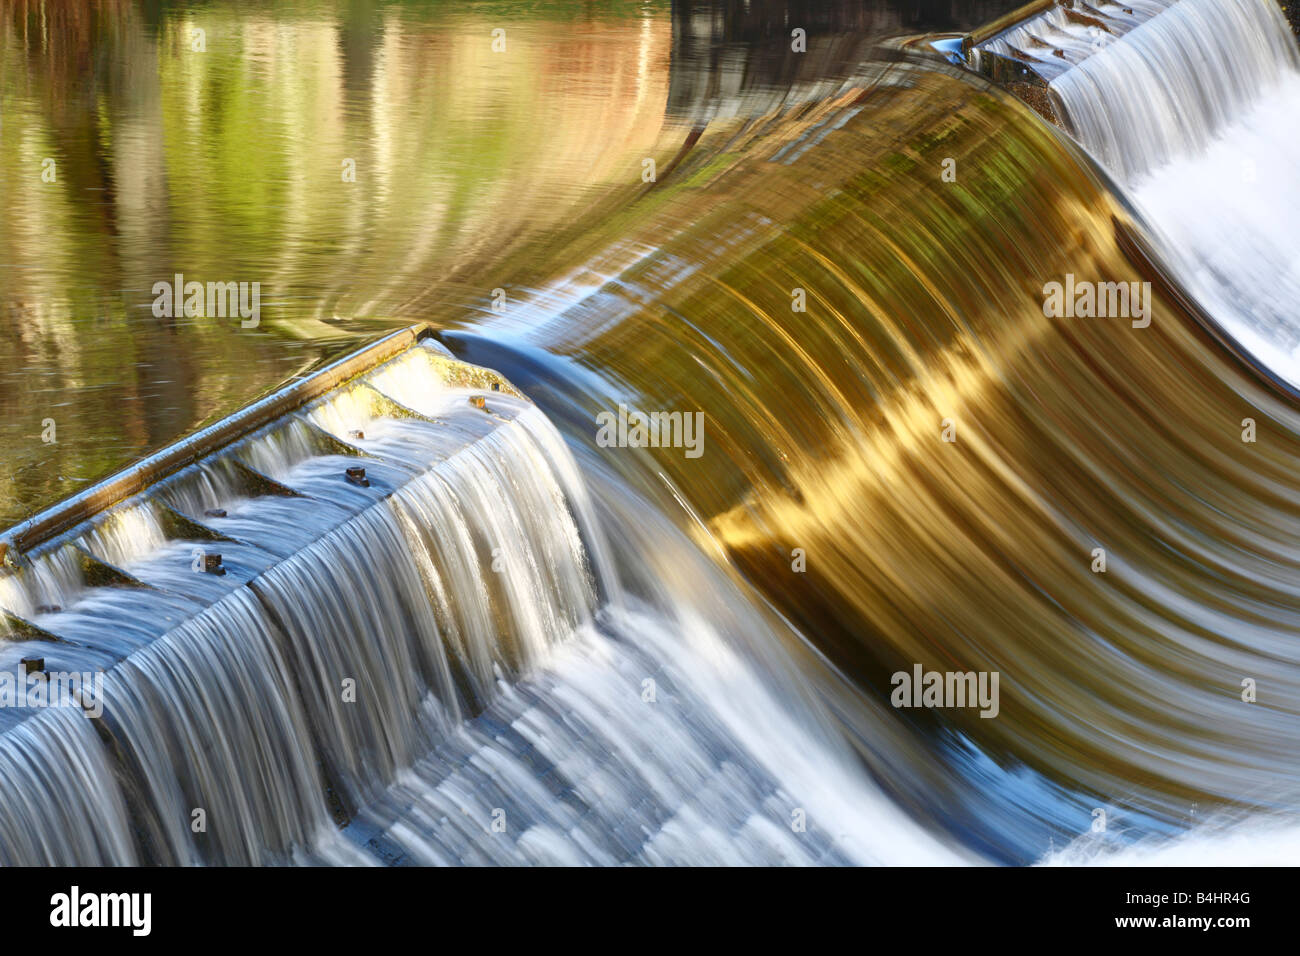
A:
824, 433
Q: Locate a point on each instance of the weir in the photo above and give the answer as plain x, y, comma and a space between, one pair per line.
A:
390, 614
433, 664
1135, 82
1072, 433
454, 460
1025, 50
1046, 39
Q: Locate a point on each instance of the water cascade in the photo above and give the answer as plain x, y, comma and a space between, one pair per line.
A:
423, 615
387, 669
1192, 110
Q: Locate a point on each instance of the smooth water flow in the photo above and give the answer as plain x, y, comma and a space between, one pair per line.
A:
421, 619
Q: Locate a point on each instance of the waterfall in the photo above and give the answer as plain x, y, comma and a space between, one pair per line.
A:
440, 666
413, 622
1061, 37
61, 802
1193, 111
216, 747
1172, 84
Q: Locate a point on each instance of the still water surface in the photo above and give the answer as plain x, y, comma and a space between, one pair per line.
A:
368, 164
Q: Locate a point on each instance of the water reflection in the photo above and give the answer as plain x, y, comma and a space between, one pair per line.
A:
524, 171
139, 140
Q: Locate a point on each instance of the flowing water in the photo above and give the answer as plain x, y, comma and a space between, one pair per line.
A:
451, 647
1202, 135
518, 644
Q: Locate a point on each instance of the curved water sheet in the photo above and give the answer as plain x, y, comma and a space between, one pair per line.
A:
918, 465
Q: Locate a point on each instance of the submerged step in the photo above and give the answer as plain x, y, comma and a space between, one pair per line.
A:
357, 622
221, 508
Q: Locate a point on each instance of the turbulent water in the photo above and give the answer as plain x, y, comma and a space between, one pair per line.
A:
519, 644
450, 651
1194, 112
